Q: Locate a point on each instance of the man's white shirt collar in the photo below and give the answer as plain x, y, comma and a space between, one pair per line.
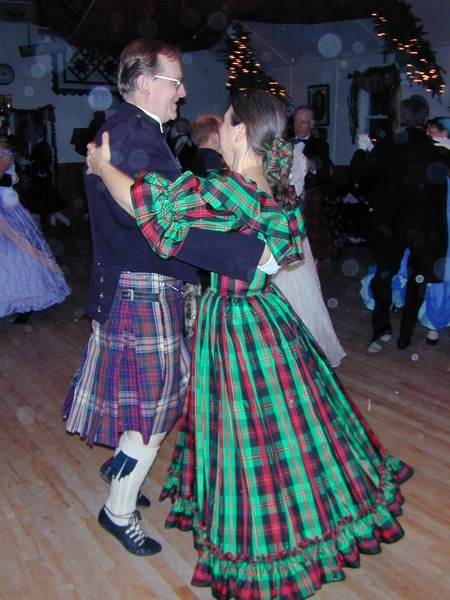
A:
157, 119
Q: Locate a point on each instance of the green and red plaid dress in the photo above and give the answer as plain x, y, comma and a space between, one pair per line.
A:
275, 471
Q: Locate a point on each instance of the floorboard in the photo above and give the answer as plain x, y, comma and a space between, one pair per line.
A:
50, 492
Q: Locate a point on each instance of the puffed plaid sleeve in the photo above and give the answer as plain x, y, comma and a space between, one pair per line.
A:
166, 210
282, 230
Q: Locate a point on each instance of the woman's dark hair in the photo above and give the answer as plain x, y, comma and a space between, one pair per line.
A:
265, 120
141, 57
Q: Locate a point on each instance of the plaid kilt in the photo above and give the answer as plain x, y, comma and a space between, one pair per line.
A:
135, 368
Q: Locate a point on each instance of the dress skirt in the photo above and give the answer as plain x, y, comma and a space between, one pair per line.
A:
30, 277
276, 472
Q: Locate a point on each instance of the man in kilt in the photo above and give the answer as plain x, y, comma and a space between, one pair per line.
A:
130, 387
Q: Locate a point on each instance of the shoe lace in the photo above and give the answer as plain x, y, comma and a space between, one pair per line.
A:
134, 530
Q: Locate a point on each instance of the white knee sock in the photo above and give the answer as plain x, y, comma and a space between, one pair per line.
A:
121, 502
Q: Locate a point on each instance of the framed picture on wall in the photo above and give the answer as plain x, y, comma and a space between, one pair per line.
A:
319, 101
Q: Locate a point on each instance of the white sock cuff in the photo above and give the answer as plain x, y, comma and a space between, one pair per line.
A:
135, 450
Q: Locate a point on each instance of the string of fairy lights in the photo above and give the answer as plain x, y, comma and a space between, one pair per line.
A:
403, 36
245, 71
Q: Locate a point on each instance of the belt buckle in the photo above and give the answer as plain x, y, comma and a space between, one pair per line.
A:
127, 295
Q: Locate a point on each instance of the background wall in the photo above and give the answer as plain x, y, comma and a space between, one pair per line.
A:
295, 55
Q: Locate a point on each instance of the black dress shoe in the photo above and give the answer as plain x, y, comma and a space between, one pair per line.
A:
432, 341
130, 536
23, 317
106, 475
403, 343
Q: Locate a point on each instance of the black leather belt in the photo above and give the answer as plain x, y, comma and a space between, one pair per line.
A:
136, 296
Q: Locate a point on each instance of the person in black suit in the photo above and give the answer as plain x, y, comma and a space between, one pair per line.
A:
409, 176
207, 157
317, 184
180, 142
45, 201
41, 159
205, 135
130, 387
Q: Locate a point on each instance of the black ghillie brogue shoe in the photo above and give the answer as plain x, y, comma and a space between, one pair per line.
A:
130, 536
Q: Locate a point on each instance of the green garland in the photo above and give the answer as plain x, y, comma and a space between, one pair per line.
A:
245, 72
403, 36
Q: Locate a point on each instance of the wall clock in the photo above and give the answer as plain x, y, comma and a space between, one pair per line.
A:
6, 74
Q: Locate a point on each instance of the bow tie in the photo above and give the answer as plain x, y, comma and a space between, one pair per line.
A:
298, 140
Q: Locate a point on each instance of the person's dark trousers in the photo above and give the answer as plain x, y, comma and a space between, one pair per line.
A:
388, 257
415, 294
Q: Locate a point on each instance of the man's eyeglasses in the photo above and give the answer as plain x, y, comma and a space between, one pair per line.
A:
176, 82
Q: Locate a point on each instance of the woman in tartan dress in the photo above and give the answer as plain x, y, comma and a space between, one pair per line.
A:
275, 471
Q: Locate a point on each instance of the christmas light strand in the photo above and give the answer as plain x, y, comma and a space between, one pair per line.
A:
245, 71
403, 36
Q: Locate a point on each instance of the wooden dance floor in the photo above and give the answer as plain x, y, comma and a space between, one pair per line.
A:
50, 491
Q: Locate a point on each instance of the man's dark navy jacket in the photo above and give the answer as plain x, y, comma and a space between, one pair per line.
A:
137, 145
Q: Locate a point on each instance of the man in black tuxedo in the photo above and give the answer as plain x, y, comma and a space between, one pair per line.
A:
206, 158
41, 159
205, 135
45, 202
409, 177
317, 185
131, 385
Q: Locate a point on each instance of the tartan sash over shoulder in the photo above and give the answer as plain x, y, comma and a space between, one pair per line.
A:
223, 202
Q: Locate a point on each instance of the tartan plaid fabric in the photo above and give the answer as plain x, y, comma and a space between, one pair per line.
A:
135, 369
279, 477
221, 202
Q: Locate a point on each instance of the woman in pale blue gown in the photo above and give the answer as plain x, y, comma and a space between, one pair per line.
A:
30, 278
